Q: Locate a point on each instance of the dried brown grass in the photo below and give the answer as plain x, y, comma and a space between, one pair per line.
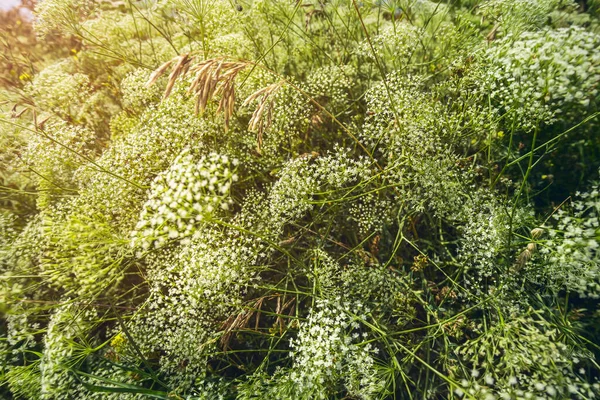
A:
241, 321
263, 114
214, 78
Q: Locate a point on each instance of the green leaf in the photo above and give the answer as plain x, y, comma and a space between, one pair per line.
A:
120, 387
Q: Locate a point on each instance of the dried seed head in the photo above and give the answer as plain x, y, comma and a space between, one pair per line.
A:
216, 77
180, 69
159, 72
16, 114
42, 123
524, 257
536, 233
262, 116
212, 77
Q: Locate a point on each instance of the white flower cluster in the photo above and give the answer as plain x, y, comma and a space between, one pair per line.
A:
328, 350
7, 233
21, 252
60, 14
515, 16
57, 155
136, 94
521, 358
147, 147
193, 289
538, 75
290, 113
427, 9
301, 179
331, 87
188, 193
221, 16
406, 128
371, 213
572, 254
67, 325
75, 236
377, 286
396, 44
404, 120
59, 89
236, 44
483, 236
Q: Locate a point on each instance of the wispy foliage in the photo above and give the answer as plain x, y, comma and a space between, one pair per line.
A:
301, 200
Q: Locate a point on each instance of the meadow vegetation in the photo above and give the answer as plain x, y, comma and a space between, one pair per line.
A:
318, 199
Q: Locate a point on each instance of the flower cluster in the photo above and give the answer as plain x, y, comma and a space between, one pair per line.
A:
484, 236
64, 330
146, 146
371, 213
61, 15
379, 287
394, 43
541, 75
331, 87
56, 153
188, 193
328, 349
7, 233
571, 254
290, 115
516, 16
302, 178
136, 94
19, 255
521, 358
404, 117
192, 291
58, 88
72, 237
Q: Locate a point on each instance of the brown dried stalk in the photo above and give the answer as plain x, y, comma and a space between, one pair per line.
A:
14, 114
212, 77
241, 320
182, 64
258, 123
492, 35
216, 77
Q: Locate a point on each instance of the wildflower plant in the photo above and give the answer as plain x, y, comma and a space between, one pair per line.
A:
570, 250
301, 200
186, 194
537, 75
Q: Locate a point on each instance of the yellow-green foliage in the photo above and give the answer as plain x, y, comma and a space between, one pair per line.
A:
335, 199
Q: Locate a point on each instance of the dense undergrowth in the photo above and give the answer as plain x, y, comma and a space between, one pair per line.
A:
300, 200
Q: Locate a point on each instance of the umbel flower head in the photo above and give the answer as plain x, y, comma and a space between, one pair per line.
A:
183, 196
